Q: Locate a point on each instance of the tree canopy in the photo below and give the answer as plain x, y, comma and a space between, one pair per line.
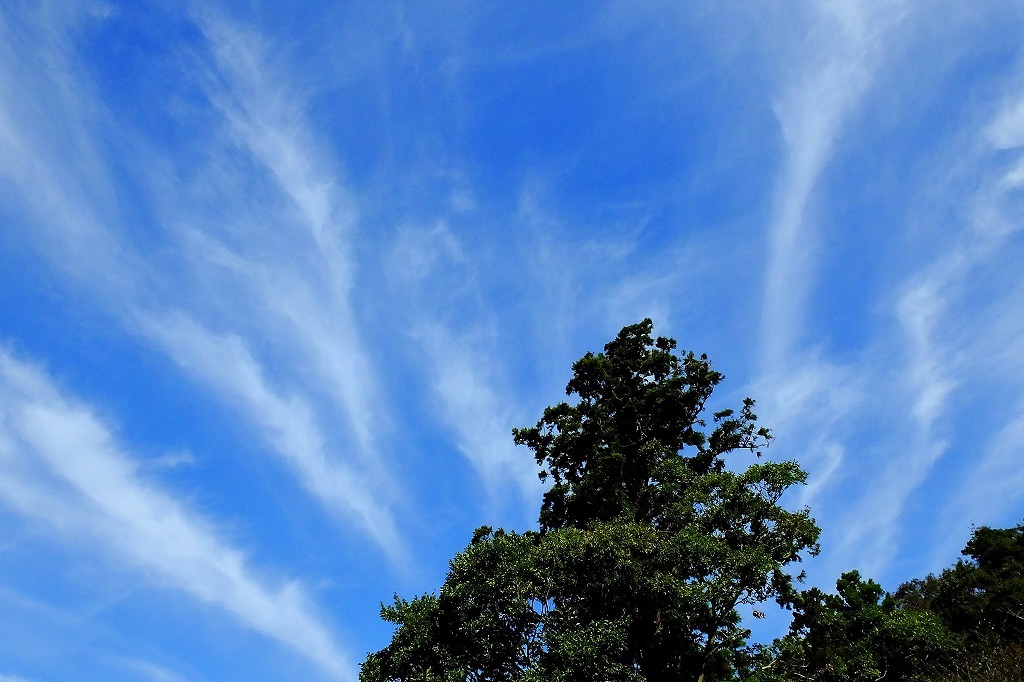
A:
647, 544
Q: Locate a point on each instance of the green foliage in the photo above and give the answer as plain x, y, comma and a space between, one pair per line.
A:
1002, 663
983, 597
965, 624
483, 625
616, 453
859, 634
982, 600
647, 542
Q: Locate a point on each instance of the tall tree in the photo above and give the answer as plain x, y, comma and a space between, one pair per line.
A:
647, 545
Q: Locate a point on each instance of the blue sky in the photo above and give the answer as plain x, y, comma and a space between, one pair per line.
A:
277, 282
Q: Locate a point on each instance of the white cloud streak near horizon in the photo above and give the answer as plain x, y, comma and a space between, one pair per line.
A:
61, 466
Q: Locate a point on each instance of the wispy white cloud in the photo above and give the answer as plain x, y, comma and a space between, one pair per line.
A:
871, 530
172, 460
948, 339
815, 400
437, 278
832, 69
1006, 131
808, 408
63, 467
9, 678
50, 163
265, 117
479, 415
225, 363
992, 348
996, 485
298, 298
805, 395
919, 312
295, 269
151, 671
268, 119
